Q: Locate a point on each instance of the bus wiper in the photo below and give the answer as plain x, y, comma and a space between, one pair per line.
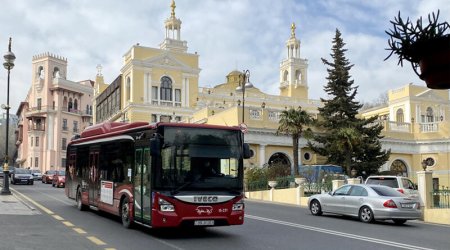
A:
178, 189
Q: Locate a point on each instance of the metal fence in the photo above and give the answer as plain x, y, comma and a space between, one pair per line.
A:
289, 182
441, 198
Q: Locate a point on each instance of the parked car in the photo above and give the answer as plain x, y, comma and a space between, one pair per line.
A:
22, 175
400, 183
59, 179
37, 175
11, 170
47, 177
368, 203
1, 172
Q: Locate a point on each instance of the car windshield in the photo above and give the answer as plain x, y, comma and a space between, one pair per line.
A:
50, 172
22, 171
35, 171
390, 182
386, 191
62, 172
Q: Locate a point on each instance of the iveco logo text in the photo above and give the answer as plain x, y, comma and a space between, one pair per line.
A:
205, 199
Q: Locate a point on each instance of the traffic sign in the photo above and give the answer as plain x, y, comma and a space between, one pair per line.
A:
244, 128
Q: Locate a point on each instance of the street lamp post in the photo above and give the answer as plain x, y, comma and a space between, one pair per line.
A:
8, 64
244, 84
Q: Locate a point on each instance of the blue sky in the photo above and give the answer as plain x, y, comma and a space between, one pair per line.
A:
227, 34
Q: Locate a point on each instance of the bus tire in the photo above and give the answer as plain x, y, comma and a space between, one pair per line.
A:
80, 204
125, 213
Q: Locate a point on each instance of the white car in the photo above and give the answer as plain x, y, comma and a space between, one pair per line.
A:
400, 183
37, 175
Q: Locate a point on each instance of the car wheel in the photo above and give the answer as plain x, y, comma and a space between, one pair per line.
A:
80, 204
125, 213
315, 208
366, 214
399, 221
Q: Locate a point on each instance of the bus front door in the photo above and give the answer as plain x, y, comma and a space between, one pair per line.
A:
142, 191
94, 184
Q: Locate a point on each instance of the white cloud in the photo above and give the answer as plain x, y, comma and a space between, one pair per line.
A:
228, 35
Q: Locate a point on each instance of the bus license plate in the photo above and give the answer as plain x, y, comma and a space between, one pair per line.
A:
204, 223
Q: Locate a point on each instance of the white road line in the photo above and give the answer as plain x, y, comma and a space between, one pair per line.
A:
337, 233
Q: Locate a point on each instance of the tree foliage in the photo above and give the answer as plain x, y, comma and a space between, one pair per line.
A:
292, 122
343, 138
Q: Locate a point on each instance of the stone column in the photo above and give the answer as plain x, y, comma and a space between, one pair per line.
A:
337, 184
300, 193
425, 186
262, 154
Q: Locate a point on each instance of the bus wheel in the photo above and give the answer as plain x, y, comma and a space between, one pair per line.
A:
80, 204
125, 213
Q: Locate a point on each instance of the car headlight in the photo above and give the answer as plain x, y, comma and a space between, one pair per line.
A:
165, 206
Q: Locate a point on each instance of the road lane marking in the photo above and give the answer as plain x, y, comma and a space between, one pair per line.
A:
67, 223
57, 217
79, 230
48, 211
108, 248
337, 233
96, 240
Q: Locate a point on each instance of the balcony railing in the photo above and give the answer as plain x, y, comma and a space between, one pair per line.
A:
400, 126
429, 127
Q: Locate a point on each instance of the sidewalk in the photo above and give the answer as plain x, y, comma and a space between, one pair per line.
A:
12, 204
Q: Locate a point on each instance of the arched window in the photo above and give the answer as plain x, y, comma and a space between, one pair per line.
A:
285, 76
75, 104
128, 88
40, 72
70, 106
398, 167
430, 116
166, 88
400, 116
56, 72
298, 76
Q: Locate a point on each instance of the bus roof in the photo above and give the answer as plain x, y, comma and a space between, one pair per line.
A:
106, 129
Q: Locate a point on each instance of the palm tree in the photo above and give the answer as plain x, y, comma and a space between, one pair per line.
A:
292, 122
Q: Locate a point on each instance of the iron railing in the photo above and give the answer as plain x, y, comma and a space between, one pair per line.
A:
441, 198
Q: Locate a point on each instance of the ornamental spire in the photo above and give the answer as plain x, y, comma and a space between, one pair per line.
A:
293, 30
173, 6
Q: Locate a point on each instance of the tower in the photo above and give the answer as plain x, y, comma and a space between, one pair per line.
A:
172, 39
293, 70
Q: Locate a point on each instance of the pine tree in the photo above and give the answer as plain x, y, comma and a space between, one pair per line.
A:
343, 138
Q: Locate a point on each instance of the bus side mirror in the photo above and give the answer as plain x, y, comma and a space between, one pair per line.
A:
155, 146
247, 152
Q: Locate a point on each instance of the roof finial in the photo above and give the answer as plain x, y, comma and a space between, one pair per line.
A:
99, 70
173, 6
293, 30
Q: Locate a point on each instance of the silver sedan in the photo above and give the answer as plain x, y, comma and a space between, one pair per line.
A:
367, 202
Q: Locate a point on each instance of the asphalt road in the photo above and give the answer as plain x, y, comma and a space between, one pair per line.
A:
59, 225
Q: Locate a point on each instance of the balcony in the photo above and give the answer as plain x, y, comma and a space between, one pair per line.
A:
39, 111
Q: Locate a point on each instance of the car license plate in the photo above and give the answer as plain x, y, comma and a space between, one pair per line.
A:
407, 205
204, 223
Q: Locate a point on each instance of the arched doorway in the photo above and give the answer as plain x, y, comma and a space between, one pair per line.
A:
280, 159
398, 167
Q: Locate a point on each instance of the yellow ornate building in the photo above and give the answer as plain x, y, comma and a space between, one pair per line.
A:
162, 84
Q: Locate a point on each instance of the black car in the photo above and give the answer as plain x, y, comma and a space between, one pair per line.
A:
22, 176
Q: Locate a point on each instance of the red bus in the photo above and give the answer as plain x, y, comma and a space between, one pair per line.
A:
159, 175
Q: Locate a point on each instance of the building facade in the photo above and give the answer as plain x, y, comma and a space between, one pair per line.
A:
161, 84
54, 110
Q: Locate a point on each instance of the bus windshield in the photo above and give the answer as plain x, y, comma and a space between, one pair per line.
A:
199, 159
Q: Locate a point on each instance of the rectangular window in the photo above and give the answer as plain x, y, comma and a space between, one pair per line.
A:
36, 162
31, 162
64, 144
75, 126
39, 103
37, 141
177, 95
64, 125
32, 139
63, 163
154, 118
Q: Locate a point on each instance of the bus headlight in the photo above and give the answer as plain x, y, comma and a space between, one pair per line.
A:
165, 206
238, 206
